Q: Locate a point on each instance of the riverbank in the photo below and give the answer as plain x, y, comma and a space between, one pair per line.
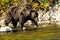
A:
51, 32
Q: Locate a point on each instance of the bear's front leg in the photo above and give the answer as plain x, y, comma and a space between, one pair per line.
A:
21, 22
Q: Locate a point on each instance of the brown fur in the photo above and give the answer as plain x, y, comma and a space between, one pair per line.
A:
15, 14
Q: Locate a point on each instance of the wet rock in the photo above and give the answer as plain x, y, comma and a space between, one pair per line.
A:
5, 29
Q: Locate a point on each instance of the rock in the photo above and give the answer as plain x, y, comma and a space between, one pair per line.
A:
5, 29
29, 22
53, 14
24, 28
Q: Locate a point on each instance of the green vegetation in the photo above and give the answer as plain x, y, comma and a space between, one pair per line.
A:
5, 4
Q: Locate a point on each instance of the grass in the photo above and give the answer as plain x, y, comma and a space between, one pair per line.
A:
51, 32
